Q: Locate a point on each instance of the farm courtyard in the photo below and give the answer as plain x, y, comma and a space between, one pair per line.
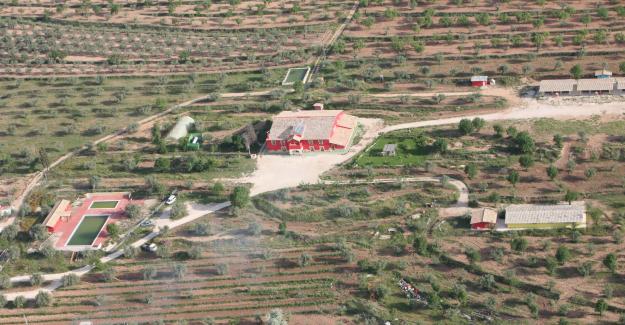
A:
90, 90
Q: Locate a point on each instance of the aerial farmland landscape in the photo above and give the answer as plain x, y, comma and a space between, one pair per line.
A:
378, 162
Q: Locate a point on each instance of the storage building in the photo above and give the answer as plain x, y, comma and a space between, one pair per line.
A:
530, 216
595, 86
483, 219
479, 81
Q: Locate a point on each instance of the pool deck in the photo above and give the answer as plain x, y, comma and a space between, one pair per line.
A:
66, 229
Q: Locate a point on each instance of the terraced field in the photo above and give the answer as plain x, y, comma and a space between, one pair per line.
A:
103, 37
251, 286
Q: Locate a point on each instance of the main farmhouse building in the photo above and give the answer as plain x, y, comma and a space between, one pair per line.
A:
311, 130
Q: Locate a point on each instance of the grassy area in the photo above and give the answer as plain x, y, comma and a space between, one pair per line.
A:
407, 152
568, 127
296, 74
103, 204
88, 230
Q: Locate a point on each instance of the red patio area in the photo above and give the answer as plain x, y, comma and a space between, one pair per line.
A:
64, 218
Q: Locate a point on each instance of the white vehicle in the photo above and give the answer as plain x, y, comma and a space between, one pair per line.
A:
170, 200
147, 223
151, 247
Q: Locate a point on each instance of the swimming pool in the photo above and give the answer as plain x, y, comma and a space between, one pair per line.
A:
88, 230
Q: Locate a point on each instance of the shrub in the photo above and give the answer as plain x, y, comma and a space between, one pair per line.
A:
276, 317
519, 244
38, 232
254, 229
563, 254
304, 259
585, 269
70, 280
113, 230
36, 279
201, 229
465, 126
240, 196
473, 255
133, 211
610, 261
178, 210
179, 270
19, 302
381, 291
487, 282
196, 252
130, 252
601, 306
5, 281
471, 170
149, 273
43, 299
222, 269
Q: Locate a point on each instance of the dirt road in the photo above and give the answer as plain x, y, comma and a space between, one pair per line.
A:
531, 108
431, 94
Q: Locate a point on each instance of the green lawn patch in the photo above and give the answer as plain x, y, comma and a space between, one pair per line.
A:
88, 230
103, 204
407, 153
296, 74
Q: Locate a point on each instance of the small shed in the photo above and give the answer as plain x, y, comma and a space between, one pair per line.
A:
483, 219
603, 74
479, 81
181, 129
389, 150
194, 141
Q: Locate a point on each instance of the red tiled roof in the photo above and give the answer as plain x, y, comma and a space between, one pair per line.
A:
314, 125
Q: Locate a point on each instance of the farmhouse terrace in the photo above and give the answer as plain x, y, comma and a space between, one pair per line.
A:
312, 130
65, 217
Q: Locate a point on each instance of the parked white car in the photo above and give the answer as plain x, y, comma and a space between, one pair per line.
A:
147, 223
149, 247
170, 200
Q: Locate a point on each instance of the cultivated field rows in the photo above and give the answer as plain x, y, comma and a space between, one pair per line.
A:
187, 14
250, 287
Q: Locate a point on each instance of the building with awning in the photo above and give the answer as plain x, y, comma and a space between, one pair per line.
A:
533, 216
590, 86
